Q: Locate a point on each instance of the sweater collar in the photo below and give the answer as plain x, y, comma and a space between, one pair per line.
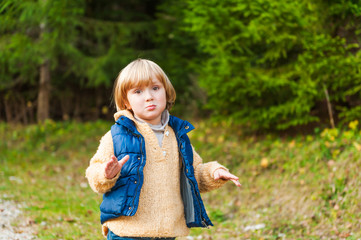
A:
126, 118
125, 113
160, 127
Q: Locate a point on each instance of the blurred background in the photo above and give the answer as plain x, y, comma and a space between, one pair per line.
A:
273, 88
264, 64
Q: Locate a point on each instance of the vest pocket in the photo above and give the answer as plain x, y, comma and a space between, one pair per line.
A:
115, 201
132, 186
120, 183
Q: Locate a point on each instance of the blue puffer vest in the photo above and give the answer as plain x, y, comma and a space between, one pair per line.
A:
123, 198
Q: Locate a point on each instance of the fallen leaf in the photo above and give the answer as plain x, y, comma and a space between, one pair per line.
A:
264, 162
344, 235
357, 146
255, 227
330, 163
69, 219
31, 221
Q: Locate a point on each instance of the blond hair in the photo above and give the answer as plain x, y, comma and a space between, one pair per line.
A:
140, 73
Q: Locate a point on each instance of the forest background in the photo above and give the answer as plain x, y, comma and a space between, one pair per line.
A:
263, 64
272, 87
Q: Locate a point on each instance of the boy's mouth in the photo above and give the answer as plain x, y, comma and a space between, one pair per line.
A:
151, 107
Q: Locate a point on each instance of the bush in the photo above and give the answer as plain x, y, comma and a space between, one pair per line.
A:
271, 64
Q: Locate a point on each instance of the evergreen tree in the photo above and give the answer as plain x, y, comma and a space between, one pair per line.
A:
34, 36
70, 51
276, 64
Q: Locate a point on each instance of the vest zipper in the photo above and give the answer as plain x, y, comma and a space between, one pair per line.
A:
141, 153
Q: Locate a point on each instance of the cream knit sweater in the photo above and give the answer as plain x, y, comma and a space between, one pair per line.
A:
160, 212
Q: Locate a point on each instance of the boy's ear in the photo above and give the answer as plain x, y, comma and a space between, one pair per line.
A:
127, 105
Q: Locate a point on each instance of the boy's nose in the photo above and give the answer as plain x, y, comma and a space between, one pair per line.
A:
148, 95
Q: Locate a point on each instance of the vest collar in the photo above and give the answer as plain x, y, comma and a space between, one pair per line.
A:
180, 126
126, 119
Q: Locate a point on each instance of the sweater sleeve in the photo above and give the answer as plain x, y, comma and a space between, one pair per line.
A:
95, 173
204, 173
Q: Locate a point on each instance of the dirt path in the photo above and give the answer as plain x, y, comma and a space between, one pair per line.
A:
13, 226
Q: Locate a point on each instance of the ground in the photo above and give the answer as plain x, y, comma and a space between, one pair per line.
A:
13, 225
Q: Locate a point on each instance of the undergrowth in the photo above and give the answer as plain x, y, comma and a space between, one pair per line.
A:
302, 187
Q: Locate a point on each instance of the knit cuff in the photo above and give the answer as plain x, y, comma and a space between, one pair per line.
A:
106, 180
215, 166
212, 168
97, 180
205, 176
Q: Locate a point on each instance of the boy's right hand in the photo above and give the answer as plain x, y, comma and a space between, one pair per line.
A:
113, 166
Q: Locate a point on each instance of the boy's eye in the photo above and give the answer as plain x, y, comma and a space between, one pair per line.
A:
137, 91
155, 88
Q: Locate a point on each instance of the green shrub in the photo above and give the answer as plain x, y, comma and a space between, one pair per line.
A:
271, 63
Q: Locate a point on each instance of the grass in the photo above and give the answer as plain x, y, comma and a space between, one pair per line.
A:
304, 187
44, 167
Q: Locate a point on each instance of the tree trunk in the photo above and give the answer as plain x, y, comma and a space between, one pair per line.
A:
23, 110
44, 84
44, 92
8, 113
329, 106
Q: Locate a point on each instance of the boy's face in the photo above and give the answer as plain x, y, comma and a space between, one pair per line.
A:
148, 102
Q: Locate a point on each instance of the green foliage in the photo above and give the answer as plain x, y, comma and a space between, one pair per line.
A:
33, 31
265, 64
177, 55
269, 62
85, 42
114, 34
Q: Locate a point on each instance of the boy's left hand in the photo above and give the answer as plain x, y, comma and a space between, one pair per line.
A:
225, 175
